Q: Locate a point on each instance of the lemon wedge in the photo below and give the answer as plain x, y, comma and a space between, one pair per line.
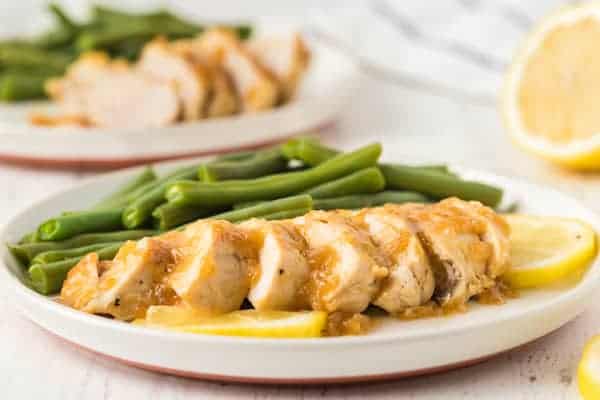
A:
278, 324
588, 372
551, 91
545, 250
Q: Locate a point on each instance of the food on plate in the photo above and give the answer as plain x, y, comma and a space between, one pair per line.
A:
324, 260
548, 250
551, 89
27, 63
210, 75
286, 57
297, 227
149, 70
277, 324
588, 379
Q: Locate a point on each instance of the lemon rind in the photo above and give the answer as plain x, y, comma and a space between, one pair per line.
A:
577, 154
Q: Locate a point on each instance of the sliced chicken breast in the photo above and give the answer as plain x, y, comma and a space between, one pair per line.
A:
222, 99
285, 56
70, 89
141, 101
282, 269
81, 285
256, 87
410, 282
125, 287
191, 79
211, 272
497, 233
346, 267
453, 241
89, 86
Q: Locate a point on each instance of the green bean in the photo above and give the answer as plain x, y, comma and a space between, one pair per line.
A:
237, 156
368, 180
54, 39
368, 200
63, 19
168, 216
31, 237
120, 197
59, 255
302, 201
308, 150
262, 163
52, 62
271, 187
48, 278
129, 49
72, 224
296, 212
26, 252
438, 185
111, 17
244, 32
140, 210
311, 152
18, 87
115, 34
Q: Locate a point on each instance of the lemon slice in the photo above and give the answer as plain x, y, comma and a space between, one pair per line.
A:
550, 102
276, 324
238, 323
588, 372
545, 250
172, 316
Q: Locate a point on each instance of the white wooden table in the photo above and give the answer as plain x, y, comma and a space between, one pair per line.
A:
414, 123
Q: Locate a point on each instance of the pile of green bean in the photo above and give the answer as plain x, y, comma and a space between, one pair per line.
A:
25, 64
273, 183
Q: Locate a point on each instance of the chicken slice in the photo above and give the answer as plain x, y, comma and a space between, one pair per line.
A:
89, 86
285, 56
346, 267
282, 268
453, 241
410, 282
497, 233
256, 87
141, 101
211, 273
81, 284
125, 287
191, 79
69, 90
222, 99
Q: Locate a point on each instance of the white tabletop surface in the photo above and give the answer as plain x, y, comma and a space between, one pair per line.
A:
414, 122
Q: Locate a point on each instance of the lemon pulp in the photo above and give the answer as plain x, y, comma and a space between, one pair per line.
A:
545, 250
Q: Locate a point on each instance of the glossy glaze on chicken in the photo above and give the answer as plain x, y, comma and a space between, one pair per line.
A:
397, 257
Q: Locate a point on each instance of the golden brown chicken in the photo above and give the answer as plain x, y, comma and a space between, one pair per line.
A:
397, 257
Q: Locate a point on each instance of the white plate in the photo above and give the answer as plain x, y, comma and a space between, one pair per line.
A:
328, 84
396, 348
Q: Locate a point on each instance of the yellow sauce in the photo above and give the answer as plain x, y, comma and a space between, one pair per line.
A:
348, 324
321, 282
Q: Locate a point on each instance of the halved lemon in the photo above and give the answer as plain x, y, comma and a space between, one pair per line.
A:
277, 324
552, 91
588, 372
546, 250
